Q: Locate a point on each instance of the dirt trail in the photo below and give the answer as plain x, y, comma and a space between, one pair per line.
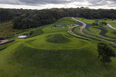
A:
81, 28
111, 27
3, 41
73, 34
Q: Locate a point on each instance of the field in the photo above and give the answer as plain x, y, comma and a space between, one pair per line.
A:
35, 56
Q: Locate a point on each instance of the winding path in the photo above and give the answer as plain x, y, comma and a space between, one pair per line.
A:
109, 26
103, 32
81, 28
87, 38
6, 41
75, 35
3, 41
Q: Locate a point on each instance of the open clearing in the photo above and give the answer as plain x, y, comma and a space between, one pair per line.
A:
36, 57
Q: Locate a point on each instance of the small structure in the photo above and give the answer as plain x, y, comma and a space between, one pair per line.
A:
22, 36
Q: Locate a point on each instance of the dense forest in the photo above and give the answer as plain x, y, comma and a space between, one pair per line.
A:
23, 19
5, 15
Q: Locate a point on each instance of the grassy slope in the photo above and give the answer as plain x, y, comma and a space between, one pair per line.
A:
96, 31
112, 23
22, 59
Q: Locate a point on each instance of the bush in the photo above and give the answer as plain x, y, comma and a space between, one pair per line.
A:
2, 38
2, 47
94, 24
31, 32
103, 23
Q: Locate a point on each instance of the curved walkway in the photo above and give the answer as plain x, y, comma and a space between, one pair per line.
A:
109, 26
103, 33
3, 41
73, 34
112, 43
81, 28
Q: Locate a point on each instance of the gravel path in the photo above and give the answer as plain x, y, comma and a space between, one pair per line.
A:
3, 41
81, 28
75, 35
84, 25
109, 26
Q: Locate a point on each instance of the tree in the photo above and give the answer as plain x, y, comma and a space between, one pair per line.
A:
112, 19
103, 23
94, 24
106, 52
105, 19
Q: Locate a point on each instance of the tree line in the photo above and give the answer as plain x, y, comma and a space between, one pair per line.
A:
5, 15
27, 18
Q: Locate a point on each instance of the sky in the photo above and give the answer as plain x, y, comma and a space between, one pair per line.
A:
47, 4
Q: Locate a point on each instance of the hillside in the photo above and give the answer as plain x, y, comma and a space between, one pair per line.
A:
35, 56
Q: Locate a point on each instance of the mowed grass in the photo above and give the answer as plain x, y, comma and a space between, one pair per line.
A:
97, 31
36, 57
88, 21
25, 61
112, 23
94, 30
41, 43
65, 20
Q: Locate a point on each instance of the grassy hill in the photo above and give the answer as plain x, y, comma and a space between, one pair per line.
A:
36, 57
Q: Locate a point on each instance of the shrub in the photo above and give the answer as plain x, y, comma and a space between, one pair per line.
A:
94, 24
103, 23
2, 47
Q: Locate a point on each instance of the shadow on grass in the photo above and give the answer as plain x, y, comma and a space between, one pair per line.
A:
103, 32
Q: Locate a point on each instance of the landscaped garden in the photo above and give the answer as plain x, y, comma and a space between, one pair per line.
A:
53, 51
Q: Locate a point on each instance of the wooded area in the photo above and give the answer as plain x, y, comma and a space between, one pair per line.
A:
24, 19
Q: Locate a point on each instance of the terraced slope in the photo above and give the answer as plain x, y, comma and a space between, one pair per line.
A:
90, 35
70, 31
36, 57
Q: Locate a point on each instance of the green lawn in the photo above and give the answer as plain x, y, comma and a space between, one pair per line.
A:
36, 57
97, 31
89, 21
94, 30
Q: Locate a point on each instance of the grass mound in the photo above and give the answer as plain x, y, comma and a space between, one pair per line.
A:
58, 38
35, 32
54, 59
